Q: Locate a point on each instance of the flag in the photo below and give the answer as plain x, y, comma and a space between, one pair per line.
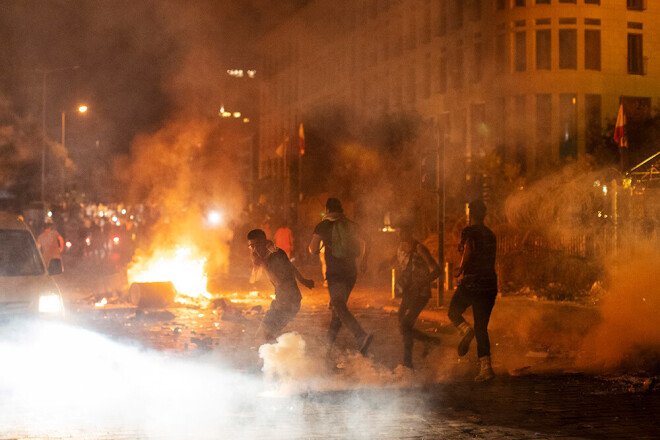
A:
620, 128
280, 150
301, 139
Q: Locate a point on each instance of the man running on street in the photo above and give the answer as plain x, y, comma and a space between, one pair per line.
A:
343, 246
477, 288
283, 275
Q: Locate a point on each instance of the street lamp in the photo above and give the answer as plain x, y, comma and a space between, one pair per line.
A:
44, 74
81, 109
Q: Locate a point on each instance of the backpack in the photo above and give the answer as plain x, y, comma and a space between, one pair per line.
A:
345, 241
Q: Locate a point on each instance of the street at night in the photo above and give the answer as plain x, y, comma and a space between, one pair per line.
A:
190, 372
329, 219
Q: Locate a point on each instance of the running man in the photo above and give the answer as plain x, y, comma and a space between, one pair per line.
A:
343, 246
283, 275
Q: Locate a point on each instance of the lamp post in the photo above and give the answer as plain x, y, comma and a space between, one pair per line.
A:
81, 109
44, 74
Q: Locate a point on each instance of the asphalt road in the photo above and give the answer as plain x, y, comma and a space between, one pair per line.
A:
115, 372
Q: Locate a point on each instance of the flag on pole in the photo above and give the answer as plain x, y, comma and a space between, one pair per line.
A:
301, 139
620, 128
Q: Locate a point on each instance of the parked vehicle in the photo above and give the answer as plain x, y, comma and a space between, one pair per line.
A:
26, 287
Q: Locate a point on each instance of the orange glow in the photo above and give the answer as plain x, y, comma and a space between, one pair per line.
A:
82, 108
115, 240
88, 241
183, 267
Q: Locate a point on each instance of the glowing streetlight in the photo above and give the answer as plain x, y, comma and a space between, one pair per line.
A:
82, 108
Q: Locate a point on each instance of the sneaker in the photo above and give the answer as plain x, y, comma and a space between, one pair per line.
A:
486, 372
464, 345
364, 343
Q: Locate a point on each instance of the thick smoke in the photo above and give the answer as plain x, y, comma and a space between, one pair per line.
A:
79, 382
628, 335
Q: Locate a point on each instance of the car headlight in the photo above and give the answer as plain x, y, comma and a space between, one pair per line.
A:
50, 304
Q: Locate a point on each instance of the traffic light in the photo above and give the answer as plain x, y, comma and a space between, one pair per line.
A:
429, 172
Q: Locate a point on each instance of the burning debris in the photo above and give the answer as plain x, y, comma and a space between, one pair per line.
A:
182, 267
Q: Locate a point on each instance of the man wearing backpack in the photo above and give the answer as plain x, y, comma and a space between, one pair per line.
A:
343, 246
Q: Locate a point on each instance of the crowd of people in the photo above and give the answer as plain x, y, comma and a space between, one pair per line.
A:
346, 249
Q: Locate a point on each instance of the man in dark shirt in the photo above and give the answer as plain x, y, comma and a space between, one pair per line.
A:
477, 288
283, 275
341, 272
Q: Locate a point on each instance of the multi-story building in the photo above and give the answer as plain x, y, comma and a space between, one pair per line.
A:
530, 78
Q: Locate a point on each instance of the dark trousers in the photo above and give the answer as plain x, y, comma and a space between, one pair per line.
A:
409, 310
482, 301
340, 290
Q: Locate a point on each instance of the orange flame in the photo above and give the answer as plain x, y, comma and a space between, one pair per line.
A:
182, 266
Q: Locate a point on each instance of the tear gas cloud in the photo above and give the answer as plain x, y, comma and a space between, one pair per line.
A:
620, 331
62, 377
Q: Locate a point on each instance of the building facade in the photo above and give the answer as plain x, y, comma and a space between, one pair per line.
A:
532, 79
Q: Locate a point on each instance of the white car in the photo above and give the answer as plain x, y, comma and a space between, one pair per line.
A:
26, 288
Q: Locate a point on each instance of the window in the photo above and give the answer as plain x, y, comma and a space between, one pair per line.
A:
500, 53
543, 128
592, 49
458, 70
441, 18
520, 150
542, 2
475, 10
519, 3
500, 4
567, 1
442, 75
477, 69
592, 2
458, 13
636, 5
498, 122
521, 52
411, 93
568, 48
412, 28
478, 127
426, 84
635, 54
568, 125
543, 49
593, 105
426, 27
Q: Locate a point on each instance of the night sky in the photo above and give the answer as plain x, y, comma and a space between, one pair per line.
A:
140, 62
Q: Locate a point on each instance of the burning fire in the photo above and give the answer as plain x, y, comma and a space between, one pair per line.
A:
180, 266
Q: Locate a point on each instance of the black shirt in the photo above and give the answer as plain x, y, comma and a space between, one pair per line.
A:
280, 272
336, 268
481, 263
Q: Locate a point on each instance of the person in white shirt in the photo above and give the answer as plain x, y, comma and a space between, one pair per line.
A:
50, 242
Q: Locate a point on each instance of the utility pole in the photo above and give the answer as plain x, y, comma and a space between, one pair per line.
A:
440, 212
43, 139
44, 73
